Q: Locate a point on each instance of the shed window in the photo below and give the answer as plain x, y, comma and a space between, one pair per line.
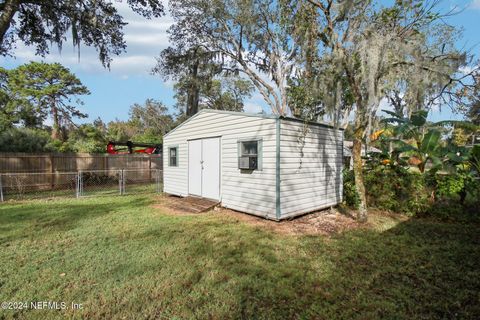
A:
173, 156
249, 148
250, 154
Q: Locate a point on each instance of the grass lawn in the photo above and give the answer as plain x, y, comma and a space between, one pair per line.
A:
121, 258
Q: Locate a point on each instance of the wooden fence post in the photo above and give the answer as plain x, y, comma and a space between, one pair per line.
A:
52, 178
150, 168
105, 162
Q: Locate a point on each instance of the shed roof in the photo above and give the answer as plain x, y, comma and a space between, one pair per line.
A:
257, 115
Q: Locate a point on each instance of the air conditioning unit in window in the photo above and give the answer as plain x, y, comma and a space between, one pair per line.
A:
247, 162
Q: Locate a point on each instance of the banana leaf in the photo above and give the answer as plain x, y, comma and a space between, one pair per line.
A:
419, 118
431, 141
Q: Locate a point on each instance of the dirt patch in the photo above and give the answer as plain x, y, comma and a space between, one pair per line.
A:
168, 205
326, 222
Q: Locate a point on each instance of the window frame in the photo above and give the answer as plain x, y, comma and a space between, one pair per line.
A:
170, 156
259, 154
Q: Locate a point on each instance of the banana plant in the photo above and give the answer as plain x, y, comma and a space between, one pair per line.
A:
424, 140
474, 160
424, 150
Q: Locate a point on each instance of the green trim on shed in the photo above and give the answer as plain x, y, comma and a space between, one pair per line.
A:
277, 171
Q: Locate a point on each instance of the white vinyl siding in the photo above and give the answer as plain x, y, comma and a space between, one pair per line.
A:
310, 167
253, 191
310, 164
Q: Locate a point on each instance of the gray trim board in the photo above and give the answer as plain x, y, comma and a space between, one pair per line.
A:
277, 171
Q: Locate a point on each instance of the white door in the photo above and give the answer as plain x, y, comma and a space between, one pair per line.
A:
204, 168
211, 168
195, 167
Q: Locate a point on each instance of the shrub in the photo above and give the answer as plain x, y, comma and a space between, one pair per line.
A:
449, 185
25, 140
397, 189
350, 195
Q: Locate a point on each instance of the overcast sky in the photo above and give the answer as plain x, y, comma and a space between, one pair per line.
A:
129, 80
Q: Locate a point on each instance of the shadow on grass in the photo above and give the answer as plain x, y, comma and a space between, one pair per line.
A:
419, 269
153, 265
31, 219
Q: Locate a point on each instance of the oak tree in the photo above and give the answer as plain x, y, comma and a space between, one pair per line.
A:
94, 23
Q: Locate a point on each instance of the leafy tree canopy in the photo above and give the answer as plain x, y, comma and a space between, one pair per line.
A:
148, 123
39, 90
221, 93
94, 23
25, 140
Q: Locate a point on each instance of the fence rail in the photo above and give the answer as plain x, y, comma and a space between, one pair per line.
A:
82, 183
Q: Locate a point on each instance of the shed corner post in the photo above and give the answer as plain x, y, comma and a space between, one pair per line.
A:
277, 170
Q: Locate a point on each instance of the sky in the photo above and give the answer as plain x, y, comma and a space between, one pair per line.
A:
129, 79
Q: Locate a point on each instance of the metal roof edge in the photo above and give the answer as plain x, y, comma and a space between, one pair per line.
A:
256, 115
247, 114
318, 124
235, 113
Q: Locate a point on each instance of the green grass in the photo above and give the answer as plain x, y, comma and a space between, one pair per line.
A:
123, 259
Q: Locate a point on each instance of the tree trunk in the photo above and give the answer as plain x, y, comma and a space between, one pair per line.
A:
358, 174
10, 7
56, 123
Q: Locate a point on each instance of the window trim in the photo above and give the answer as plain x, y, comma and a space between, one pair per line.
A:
259, 141
170, 157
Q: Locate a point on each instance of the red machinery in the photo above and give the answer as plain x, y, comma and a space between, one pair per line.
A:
130, 148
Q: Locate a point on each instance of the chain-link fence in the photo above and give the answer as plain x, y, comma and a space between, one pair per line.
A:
19, 186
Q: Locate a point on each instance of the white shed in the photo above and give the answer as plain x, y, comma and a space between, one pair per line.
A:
271, 166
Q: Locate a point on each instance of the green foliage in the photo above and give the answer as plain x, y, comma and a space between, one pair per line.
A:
94, 23
449, 185
350, 195
150, 119
397, 189
226, 93
25, 140
87, 138
421, 142
192, 67
148, 123
37, 90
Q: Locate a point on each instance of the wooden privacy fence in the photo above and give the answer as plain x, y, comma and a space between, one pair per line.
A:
72, 162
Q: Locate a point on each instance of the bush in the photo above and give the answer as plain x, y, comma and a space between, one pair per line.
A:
25, 140
450, 185
397, 189
350, 195
459, 185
